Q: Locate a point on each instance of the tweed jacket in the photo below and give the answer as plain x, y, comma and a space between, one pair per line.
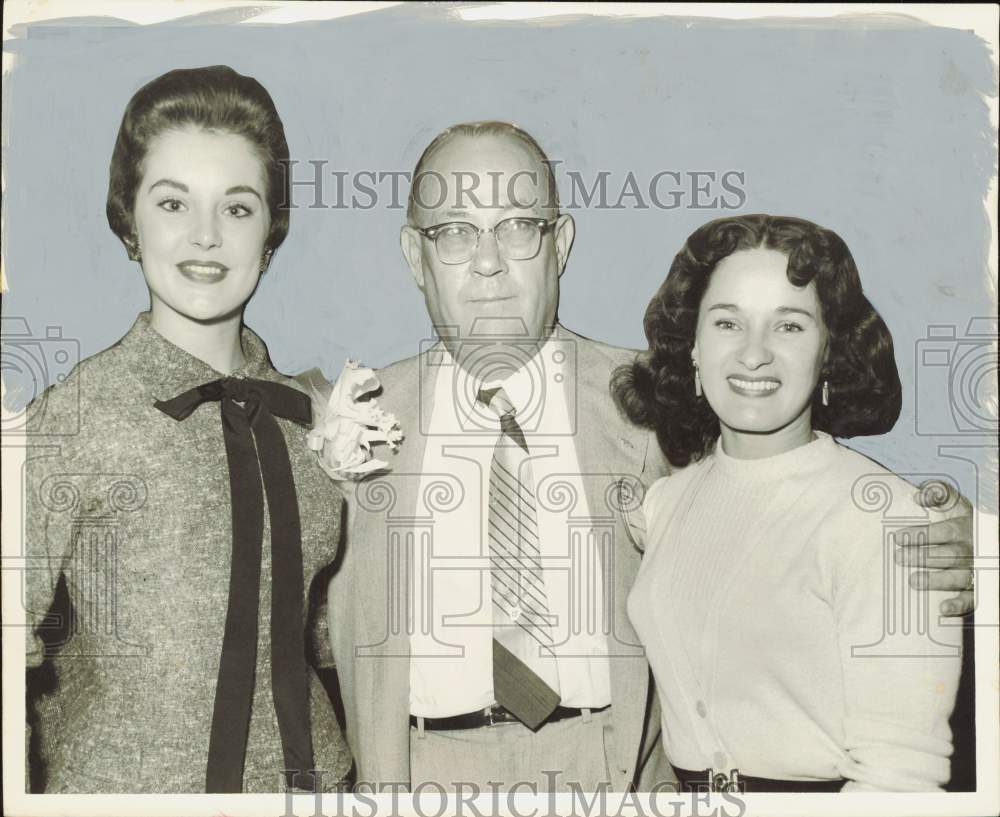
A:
368, 622
133, 510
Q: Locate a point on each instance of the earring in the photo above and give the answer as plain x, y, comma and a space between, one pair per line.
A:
132, 248
265, 260
697, 376
825, 397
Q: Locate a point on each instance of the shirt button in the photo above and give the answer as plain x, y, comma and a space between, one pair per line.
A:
719, 759
701, 709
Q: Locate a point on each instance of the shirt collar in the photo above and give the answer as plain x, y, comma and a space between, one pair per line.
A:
535, 388
167, 370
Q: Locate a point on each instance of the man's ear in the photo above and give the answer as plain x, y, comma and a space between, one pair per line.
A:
564, 232
411, 245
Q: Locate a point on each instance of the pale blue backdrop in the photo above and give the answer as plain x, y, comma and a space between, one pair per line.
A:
876, 127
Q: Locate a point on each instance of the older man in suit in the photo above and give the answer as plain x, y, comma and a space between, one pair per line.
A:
478, 619
491, 564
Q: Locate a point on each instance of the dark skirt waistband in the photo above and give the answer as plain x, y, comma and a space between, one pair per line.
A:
735, 781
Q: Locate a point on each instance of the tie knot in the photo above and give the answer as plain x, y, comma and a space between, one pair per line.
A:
497, 401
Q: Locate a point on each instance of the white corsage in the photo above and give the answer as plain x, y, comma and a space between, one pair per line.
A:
345, 427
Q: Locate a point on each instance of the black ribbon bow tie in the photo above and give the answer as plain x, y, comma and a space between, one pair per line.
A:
255, 448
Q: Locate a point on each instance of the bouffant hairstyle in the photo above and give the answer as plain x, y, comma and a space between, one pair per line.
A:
657, 391
215, 98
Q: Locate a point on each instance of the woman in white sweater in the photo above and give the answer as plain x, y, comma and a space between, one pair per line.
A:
789, 652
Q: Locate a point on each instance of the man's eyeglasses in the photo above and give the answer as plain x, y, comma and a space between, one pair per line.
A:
517, 238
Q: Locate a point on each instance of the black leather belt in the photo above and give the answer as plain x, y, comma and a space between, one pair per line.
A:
492, 715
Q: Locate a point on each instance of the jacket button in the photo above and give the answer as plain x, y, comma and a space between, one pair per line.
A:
701, 709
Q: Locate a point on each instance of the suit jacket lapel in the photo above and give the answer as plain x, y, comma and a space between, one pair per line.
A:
609, 448
388, 504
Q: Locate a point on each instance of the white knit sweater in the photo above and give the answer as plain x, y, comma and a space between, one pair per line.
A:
784, 640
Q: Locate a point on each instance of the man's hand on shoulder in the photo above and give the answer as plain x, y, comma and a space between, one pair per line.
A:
942, 549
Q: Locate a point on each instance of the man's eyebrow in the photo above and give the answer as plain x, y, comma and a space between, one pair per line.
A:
169, 183
243, 188
509, 208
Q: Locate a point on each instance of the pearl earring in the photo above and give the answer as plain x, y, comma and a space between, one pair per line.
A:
825, 397
697, 382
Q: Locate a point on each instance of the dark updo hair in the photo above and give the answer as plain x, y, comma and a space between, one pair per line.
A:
657, 391
215, 98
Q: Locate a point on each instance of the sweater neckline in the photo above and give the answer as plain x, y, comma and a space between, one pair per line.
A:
804, 459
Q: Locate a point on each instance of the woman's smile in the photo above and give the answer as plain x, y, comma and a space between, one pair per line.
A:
754, 386
203, 272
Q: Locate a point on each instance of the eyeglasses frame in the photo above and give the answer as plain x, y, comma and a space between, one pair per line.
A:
544, 225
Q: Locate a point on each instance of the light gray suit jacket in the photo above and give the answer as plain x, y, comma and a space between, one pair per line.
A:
369, 597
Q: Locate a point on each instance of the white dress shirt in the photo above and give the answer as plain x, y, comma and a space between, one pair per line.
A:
451, 665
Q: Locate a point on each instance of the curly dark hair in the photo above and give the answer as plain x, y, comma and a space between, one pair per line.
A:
657, 391
215, 98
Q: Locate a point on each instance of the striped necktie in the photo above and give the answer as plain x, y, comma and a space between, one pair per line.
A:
525, 674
